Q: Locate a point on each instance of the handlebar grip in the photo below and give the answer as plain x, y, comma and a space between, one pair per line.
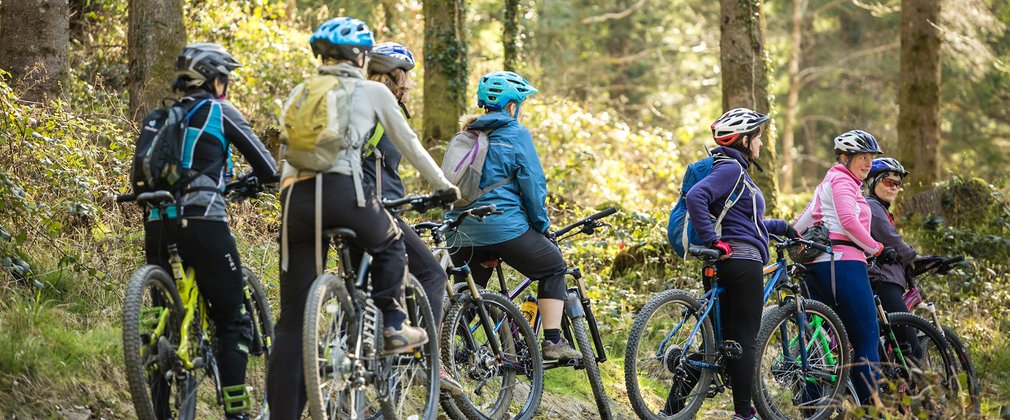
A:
604, 213
483, 210
817, 246
953, 260
124, 198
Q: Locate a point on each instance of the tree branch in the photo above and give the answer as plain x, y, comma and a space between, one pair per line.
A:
614, 15
810, 74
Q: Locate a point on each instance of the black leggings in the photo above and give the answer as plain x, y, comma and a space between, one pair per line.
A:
422, 264
209, 248
892, 299
740, 307
531, 253
376, 231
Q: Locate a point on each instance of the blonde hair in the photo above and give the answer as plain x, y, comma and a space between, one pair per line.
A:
395, 81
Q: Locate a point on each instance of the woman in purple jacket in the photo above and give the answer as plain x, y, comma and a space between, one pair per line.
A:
887, 274
742, 240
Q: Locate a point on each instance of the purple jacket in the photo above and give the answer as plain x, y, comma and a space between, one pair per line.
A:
745, 220
882, 229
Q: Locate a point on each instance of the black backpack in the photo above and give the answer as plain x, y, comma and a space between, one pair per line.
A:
157, 161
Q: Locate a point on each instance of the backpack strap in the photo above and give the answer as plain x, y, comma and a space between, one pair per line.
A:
508, 179
730, 201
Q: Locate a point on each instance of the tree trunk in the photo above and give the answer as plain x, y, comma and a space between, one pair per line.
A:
156, 36
510, 37
919, 97
445, 70
619, 46
744, 65
34, 36
793, 100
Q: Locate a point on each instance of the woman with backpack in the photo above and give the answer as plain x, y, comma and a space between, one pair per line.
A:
516, 185
204, 241
742, 241
390, 64
839, 204
337, 193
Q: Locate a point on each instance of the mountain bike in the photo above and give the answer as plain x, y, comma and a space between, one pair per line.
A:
967, 379
168, 340
801, 372
578, 323
486, 342
347, 373
676, 358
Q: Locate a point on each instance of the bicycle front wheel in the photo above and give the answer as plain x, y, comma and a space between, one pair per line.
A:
921, 377
503, 385
152, 315
581, 333
412, 382
661, 360
801, 376
966, 377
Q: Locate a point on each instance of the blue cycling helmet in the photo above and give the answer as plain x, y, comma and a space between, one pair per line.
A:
389, 56
856, 141
342, 38
879, 170
883, 166
499, 88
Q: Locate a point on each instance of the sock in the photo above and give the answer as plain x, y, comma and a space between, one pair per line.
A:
552, 334
394, 319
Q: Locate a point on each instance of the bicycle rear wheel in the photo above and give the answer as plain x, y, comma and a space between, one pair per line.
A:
788, 385
911, 375
258, 308
152, 313
499, 386
662, 378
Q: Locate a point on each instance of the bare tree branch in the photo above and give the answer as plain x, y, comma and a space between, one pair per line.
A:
615, 15
810, 74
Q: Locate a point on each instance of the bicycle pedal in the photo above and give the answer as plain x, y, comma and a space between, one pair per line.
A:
731, 349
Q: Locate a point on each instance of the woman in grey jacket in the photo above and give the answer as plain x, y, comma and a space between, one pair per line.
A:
887, 275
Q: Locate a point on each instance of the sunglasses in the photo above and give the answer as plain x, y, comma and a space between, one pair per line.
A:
893, 183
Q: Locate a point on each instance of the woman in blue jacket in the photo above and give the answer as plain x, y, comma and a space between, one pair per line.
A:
742, 242
519, 236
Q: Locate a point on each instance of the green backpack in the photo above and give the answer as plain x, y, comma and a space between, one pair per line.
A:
314, 123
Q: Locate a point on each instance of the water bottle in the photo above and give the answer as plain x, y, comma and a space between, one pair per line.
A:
529, 309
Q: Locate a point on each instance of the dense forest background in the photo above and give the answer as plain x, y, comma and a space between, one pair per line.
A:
628, 91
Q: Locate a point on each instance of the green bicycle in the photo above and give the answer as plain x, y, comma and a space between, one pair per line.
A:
168, 340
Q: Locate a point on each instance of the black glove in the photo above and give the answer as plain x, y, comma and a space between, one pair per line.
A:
791, 232
448, 195
552, 237
887, 256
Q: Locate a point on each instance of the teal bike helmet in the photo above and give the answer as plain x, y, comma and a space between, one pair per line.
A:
342, 38
499, 88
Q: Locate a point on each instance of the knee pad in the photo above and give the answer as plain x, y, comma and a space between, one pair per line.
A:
235, 330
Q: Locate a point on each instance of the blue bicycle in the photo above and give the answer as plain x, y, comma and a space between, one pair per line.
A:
675, 360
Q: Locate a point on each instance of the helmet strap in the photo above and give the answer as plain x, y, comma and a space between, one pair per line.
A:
404, 109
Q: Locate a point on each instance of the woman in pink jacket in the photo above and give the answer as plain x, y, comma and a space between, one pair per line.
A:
838, 203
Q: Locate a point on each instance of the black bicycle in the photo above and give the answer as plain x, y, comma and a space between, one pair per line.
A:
967, 379
347, 374
486, 342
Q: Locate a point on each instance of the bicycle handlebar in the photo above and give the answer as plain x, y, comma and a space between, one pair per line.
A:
791, 242
243, 186
418, 203
591, 220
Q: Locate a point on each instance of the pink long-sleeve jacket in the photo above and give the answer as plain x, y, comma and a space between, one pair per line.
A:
839, 202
